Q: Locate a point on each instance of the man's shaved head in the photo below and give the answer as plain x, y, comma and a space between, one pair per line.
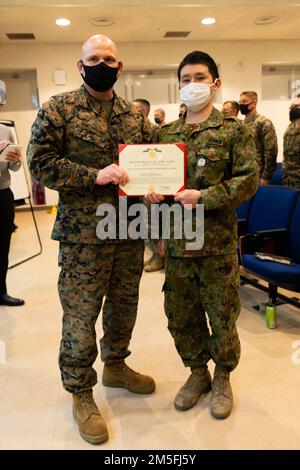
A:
98, 41
96, 50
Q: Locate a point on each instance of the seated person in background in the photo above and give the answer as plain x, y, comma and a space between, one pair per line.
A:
291, 147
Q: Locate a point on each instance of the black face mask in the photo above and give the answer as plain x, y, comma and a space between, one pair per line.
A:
244, 108
100, 77
294, 114
157, 120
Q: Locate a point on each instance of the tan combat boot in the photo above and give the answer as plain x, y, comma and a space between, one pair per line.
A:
91, 426
198, 382
120, 375
221, 399
155, 263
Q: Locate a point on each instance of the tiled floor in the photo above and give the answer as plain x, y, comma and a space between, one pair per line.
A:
35, 411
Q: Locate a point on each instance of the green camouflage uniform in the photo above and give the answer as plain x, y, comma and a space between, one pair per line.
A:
222, 164
73, 137
291, 156
264, 135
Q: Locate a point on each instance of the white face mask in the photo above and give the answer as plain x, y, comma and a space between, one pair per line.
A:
196, 95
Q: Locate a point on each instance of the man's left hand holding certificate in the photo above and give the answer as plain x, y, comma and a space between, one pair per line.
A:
153, 168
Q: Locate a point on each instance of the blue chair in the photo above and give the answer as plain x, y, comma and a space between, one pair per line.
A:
242, 214
272, 209
277, 274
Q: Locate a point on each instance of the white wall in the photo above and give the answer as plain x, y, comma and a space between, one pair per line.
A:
240, 64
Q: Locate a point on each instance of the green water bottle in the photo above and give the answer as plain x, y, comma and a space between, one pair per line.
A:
271, 315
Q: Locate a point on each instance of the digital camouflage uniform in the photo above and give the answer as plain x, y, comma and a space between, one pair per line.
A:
264, 135
222, 164
291, 156
72, 139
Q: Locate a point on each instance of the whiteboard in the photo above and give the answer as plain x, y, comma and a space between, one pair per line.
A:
19, 184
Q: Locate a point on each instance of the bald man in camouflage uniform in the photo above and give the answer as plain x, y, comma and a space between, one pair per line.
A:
222, 174
264, 135
74, 150
291, 147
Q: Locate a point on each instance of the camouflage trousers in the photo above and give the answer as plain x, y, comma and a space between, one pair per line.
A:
88, 273
194, 286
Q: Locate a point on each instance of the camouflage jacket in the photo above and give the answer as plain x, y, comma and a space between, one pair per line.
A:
222, 165
291, 156
265, 138
71, 141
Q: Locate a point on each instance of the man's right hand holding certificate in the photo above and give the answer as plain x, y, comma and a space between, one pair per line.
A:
112, 174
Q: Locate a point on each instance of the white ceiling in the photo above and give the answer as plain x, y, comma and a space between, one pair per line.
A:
137, 20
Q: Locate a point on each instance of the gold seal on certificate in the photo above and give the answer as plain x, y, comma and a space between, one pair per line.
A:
153, 168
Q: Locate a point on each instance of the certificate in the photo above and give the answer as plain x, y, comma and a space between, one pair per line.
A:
153, 168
